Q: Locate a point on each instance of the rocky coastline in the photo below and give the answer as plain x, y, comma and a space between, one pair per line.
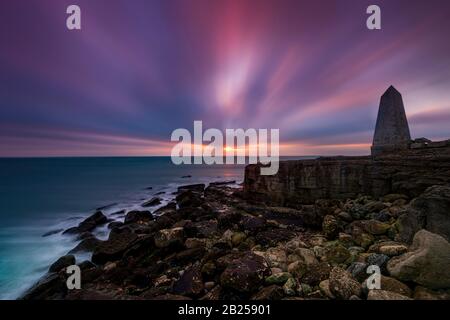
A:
217, 242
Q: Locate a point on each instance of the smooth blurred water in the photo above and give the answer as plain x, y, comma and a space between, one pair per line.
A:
38, 195
44, 194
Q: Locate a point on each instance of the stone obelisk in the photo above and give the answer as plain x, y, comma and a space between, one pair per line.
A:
392, 130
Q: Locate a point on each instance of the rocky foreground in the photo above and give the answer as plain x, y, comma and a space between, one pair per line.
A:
213, 244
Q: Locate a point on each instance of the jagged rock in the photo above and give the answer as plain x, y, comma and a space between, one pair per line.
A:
115, 224
343, 285
201, 229
168, 237
316, 273
114, 247
152, 202
138, 217
86, 245
189, 199
51, 286
192, 187
190, 283
227, 219
252, 224
330, 227
426, 263
89, 224
62, 262
379, 260
385, 295
245, 273
430, 211
358, 270
189, 255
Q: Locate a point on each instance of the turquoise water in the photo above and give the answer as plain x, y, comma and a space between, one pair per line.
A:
44, 194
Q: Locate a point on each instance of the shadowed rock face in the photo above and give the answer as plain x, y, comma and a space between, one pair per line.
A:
391, 131
305, 181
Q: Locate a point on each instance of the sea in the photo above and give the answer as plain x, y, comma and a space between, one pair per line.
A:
41, 197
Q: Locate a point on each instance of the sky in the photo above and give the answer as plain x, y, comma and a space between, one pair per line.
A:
137, 70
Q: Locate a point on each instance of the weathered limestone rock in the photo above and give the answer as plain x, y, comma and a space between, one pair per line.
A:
430, 211
305, 181
427, 263
343, 285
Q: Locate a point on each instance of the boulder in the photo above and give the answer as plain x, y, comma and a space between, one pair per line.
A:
358, 270
138, 217
430, 211
393, 285
114, 247
89, 224
86, 245
252, 224
375, 227
152, 202
192, 187
190, 282
189, 199
330, 226
51, 286
379, 260
245, 273
62, 263
335, 253
167, 237
324, 287
316, 273
426, 263
343, 285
